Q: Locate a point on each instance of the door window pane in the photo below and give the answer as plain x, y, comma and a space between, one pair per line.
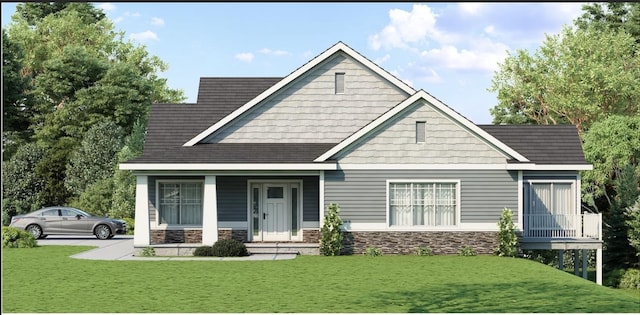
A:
275, 192
294, 211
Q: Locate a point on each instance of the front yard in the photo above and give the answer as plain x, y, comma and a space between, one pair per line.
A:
45, 279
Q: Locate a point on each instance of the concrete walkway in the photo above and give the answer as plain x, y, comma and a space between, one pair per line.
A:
121, 248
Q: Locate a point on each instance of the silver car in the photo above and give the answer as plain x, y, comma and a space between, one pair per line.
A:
66, 220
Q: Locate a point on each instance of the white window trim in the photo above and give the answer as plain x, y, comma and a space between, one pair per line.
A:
421, 227
156, 223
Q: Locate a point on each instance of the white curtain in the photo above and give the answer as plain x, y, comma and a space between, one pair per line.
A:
169, 203
191, 201
180, 203
427, 204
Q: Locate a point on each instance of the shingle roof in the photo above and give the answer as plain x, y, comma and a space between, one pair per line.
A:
171, 125
541, 144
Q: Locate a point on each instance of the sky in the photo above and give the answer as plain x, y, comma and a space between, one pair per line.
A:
451, 50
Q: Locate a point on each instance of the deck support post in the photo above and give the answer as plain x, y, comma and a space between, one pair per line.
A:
561, 259
576, 262
599, 266
585, 255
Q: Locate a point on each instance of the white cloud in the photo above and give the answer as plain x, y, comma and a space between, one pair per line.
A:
406, 28
244, 57
383, 59
471, 8
483, 55
118, 19
144, 36
132, 14
268, 51
107, 6
490, 29
157, 21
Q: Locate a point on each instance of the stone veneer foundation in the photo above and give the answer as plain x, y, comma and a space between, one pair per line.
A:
176, 236
440, 242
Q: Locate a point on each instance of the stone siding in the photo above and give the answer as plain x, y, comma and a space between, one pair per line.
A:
440, 242
238, 235
311, 236
176, 236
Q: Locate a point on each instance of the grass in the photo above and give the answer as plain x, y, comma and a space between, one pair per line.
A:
46, 279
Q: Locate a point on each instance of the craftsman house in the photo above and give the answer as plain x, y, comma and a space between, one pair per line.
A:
260, 159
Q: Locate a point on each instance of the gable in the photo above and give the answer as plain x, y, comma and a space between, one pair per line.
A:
446, 141
309, 110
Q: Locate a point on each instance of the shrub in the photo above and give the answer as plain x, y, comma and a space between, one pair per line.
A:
331, 235
203, 251
613, 277
130, 225
424, 251
467, 251
630, 279
507, 238
16, 238
148, 251
229, 248
372, 251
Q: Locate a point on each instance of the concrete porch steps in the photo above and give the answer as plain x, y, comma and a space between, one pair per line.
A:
283, 248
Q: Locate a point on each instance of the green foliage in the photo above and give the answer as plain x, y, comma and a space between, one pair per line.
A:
124, 198
331, 235
16, 238
578, 77
96, 199
22, 187
630, 279
372, 251
131, 224
424, 251
203, 251
633, 225
33, 12
148, 251
610, 145
612, 277
507, 238
466, 251
619, 16
51, 169
229, 248
95, 159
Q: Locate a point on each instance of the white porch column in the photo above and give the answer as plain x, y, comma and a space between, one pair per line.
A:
210, 211
321, 199
141, 232
599, 266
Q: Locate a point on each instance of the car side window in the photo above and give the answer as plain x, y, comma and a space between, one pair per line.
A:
68, 213
50, 213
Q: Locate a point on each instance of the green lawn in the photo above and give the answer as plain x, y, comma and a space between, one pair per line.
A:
45, 279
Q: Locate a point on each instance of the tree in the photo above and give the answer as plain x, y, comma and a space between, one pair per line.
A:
331, 234
124, 192
507, 238
614, 15
633, 224
578, 77
96, 157
610, 145
21, 186
15, 119
33, 12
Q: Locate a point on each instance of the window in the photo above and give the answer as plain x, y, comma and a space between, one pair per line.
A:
423, 204
180, 203
551, 198
420, 131
339, 82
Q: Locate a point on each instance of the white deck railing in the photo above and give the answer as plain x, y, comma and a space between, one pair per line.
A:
586, 225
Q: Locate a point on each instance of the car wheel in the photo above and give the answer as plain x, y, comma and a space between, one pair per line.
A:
111, 236
35, 230
102, 232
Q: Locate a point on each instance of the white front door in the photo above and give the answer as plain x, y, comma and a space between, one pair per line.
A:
275, 219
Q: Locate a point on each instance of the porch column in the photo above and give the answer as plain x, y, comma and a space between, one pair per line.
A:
210, 211
576, 265
141, 232
321, 198
561, 259
599, 266
585, 255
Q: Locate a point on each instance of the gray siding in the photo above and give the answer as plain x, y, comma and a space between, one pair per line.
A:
232, 196
361, 194
445, 142
309, 111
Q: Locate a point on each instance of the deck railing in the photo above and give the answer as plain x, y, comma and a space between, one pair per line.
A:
586, 225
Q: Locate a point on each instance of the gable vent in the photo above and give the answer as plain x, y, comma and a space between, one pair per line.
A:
339, 82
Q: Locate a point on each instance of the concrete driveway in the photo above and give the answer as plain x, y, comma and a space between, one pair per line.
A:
120, 247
